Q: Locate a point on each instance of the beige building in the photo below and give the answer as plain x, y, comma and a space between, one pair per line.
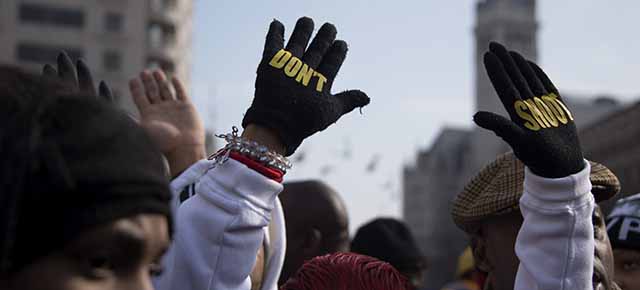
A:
117, 38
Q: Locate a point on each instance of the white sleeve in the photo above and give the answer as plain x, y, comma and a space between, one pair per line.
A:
555, 244
217, 232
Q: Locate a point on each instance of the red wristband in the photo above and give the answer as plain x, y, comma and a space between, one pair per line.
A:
268, 172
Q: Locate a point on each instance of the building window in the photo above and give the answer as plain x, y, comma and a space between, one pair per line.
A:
161, 35
40, 53
51, 15
113, 22
162, 5
112, 61
165, 65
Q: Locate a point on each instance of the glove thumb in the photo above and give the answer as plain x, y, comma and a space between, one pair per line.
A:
105, 92
501, 126
352, 99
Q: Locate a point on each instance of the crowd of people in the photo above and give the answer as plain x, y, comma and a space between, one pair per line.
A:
94, 198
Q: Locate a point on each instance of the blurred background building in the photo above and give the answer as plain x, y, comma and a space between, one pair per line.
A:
117, 38
614, 142
441, 171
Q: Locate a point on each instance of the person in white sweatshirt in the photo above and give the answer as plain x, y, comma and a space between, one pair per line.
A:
229, 225
531, 214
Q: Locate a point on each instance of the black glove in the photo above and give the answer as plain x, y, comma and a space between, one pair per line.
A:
75, 79
541, 131
293, 87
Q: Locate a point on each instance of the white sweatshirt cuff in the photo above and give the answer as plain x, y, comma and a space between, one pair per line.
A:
543, 190
242, 183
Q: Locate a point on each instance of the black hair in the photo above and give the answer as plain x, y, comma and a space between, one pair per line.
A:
61, 173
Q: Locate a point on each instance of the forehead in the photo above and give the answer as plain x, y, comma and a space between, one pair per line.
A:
143, 231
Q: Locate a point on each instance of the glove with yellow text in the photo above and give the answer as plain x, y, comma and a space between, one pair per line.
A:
541, 131
293, 84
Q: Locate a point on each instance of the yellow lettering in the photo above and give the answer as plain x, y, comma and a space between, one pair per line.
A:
546, 112
292, 68
280, 59
557, 110
557, 100
305, 75
321, 80
531, 123
536, 113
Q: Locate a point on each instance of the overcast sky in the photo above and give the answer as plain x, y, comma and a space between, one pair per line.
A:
415, 60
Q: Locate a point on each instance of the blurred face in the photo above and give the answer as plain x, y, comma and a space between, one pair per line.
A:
627, 263
603, 263
497, 245
499, 240
121, 255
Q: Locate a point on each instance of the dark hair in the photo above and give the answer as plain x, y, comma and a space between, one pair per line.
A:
19, 142
389, 240
61, 167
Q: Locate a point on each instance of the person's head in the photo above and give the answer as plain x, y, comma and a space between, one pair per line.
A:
316, 221
85, 199
346, 271
488, 211
390, 240
623, 226
466, 269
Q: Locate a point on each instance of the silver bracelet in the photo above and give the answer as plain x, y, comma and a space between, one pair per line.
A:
251, 149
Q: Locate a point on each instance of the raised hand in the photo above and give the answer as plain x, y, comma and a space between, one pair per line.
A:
293, 85
171, 120
75, 78
541, 132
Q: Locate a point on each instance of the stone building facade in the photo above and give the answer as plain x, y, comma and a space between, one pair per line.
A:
615, 142
117, 38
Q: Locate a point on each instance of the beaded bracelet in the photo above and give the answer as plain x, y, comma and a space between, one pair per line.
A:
250, 149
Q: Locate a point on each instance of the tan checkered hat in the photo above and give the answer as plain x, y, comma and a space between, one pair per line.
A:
498, 187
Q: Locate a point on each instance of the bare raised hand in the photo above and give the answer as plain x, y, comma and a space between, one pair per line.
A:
170, 118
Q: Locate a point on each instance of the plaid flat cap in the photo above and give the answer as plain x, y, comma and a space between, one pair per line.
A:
497, 189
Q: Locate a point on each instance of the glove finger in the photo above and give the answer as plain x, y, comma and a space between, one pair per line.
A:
67, 71
318, 47
352, 99
546, 82
512, 70
300, 36
275, 39
105, 92
532, 79
49, 73
332, 60
85, 80
505, 89
501, 126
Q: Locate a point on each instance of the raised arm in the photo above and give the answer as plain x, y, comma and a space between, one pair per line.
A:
555, 244
220, 228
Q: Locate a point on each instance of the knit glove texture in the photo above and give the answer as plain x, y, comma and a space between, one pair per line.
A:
541, 132
76, 79
293, 84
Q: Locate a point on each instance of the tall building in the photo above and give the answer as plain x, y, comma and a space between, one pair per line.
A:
441, 171
117, 39
512, 23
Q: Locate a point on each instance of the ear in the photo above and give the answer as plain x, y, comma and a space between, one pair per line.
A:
479, 250
312, 242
